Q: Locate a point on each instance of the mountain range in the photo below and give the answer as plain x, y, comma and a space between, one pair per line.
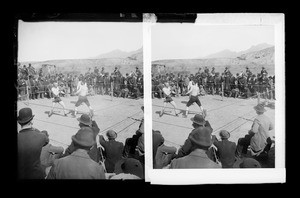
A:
117, 53
255, 60
232, 54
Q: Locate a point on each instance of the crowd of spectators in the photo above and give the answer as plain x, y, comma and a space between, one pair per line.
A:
242, 85
33, 84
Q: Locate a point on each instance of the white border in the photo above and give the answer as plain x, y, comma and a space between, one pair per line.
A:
222, 176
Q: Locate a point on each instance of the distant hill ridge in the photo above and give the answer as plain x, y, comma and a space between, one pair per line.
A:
254, 60
117, 53
126, 63
231, 54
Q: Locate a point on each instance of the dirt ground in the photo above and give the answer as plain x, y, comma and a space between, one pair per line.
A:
233, 115
109, 114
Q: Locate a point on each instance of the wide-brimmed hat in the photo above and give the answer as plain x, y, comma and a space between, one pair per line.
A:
198, 119
111, 134
84, 137
259, 108
201, 136
85, 119
247, 163
131, 166
25, 115
224, 134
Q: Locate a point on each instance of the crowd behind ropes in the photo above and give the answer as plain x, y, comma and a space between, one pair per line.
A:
241, 85
89, 156
38, 84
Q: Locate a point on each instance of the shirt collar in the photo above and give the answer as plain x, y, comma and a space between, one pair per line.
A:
199, 152
25, 128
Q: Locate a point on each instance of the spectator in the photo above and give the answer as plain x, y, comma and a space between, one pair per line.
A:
225, 149
198, 121
247, 163
94, 153
201, 141
49, 154
131, 144
30, 143
128, 169
164, 155
113, 150
78, 165
258, 137
140, 149
157, 140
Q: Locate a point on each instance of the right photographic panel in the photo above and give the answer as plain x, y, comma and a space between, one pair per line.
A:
213, 96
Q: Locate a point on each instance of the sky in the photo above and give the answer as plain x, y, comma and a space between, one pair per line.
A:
41, 41
184, 41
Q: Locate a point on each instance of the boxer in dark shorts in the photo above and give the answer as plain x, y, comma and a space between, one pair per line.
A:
55, 90
195, 92
168, 99
82, 97
192, 100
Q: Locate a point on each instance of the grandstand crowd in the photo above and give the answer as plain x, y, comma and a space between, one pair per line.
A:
241, 85
37, 84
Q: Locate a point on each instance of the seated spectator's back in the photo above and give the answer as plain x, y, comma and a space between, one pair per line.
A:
113, 150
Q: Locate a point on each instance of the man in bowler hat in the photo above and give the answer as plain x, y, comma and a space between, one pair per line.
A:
225, 149
112, 150
30, 144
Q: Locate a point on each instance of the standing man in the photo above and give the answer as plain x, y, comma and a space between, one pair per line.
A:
195, 92
55, 91
30, 144
82, 97
168, 99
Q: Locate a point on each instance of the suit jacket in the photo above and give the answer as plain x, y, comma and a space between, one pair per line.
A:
196, 159
226, 152
48, 154
164, 155
78, 165
113, 152
30, 143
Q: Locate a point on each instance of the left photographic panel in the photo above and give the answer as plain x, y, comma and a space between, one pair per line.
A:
80, 106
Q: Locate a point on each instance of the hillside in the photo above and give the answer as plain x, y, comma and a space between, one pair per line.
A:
126, 64
231, 54
254, 60
117, 54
